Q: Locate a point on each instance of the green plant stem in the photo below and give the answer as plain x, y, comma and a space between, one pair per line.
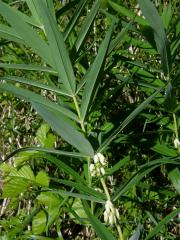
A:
120, 232
78, 112
105, 189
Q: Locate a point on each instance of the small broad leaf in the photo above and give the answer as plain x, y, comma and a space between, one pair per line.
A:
42, 179
44, 137
39, 223
77, 207
14, 187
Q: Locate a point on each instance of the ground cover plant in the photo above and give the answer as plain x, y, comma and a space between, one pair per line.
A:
90, 119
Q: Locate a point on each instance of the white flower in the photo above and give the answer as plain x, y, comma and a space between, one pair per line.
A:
102, 171
101, 159
108, 206
176, 143
111, 214
92, 170
98, 157
117, 213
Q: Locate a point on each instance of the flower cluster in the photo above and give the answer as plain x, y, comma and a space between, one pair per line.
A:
111, 214
97, 168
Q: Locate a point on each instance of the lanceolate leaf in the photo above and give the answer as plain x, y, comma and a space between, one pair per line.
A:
91, 77
9, 34
87, 24
58, 48
153, 18
28, 67
126, 12
33, 97
26, 32
74, 18
35, 84
65, 128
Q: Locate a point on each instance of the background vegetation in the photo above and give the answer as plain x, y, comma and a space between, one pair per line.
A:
89, 123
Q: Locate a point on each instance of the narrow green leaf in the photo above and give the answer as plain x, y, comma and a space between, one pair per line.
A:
78, 195
65, 128
140, 174
99, 227
128, 120
164, 150
87, 24
119, 38
26, 32
126, 12
62, 166
35, 84
36, 98
81, 187
92, 74
153, 18
58, 48
74, 18
28, 67
161, 224
46, 150
10, 34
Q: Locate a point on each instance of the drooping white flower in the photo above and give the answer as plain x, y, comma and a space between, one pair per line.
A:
176, 143
111, 214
